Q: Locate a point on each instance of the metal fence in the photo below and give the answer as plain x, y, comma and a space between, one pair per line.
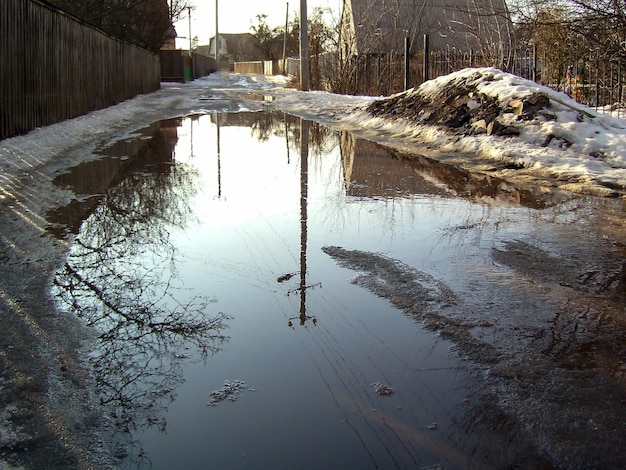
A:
591, 79
384, 74
54, 67
594, 79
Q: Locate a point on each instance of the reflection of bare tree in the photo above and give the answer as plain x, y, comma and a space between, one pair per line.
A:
121, 278
270, 123
262, 125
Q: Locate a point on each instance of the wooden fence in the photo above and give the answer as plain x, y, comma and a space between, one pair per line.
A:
176, 65
173, 65
260, 67
203, 65
55, 67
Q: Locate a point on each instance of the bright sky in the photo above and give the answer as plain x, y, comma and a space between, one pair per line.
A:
236, 16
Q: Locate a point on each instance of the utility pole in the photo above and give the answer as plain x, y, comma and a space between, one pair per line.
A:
426, 63
217, 40
190, 53
304, 47
407, 62
285, 41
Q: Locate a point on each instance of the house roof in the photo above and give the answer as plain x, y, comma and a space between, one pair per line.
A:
380, 26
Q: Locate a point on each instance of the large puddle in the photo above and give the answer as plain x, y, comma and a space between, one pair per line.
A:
272, 294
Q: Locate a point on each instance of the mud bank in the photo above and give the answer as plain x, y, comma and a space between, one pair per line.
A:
50, 416
556, 374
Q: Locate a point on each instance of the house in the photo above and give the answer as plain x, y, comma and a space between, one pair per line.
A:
370, 27
242, 47
203, 50
169, 39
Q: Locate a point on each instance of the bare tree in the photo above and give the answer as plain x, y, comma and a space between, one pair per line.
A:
264, 35
140, 22
177, 9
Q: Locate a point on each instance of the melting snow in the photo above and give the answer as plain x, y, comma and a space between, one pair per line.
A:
597, 154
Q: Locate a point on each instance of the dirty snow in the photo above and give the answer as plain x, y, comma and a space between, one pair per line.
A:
589, 132
596, 134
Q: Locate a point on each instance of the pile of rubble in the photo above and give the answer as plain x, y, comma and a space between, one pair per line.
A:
459, 104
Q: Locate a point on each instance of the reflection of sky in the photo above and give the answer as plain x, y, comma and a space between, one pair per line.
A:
313, 382
255, 180
251, 234
258, 183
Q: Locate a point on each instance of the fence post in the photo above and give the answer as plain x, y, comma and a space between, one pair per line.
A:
534, 72
426, 59
597, 78
407, 63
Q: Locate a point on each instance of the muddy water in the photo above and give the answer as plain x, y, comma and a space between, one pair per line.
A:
272, 294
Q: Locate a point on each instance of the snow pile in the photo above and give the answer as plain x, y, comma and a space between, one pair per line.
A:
507, 118
229, 80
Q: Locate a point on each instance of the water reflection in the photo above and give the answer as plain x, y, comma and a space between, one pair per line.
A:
304, 181
231, 213
372, 170
121, 274
153, 150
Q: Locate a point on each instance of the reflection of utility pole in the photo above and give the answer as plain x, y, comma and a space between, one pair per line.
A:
219, 161
304, 181
286, 136
191, 140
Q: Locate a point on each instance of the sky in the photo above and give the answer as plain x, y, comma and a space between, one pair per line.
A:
236, 16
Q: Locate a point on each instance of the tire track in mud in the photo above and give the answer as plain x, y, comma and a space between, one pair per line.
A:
537, 385
417, 294
348, 383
